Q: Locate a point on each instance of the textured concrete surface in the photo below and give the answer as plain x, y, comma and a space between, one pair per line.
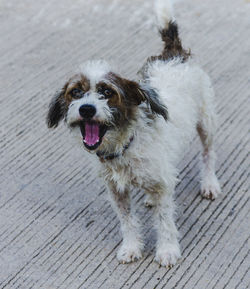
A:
56, 228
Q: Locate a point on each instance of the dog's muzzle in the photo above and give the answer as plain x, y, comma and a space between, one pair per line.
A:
92, 131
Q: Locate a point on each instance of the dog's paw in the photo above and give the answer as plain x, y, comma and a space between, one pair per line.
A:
210, 188
149, 201
168, 255
129, 253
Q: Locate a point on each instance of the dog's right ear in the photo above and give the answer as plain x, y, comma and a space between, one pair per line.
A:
57, 109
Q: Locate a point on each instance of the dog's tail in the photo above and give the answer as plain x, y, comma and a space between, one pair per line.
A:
164, 13
169, 31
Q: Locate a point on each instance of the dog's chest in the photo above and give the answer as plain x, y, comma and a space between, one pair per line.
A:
123, 174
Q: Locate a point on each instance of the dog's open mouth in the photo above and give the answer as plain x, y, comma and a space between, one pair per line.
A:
92, 133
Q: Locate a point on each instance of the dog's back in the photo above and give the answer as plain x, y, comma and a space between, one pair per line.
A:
181, 84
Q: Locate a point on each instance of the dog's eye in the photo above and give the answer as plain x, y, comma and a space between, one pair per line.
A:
107, 93
76, 93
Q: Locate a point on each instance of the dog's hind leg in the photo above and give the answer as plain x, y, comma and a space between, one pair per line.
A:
210, 187
132, 245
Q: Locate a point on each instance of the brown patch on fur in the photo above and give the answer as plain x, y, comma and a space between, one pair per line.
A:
77, 81
153, 188
61, 101
172, 45
131, 94
130, 89
203, 138
121, 198
114, 98
126, 98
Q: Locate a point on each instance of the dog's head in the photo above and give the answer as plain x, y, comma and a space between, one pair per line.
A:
97, 100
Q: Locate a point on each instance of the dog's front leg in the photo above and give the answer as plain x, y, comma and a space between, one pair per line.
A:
132, 245
167, 247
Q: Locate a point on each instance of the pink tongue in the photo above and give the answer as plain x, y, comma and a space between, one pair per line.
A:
91, 134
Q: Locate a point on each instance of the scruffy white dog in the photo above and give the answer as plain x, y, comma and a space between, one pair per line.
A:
137, 133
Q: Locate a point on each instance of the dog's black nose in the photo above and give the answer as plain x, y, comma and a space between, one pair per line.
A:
87, 111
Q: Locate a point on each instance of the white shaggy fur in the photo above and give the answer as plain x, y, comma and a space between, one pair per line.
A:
150, 162
163, 12
95, 70
157, 148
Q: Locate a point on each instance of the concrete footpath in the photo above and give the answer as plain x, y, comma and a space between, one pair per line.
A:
57, 230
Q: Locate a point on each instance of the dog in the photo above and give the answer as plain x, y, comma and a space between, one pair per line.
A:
137, 132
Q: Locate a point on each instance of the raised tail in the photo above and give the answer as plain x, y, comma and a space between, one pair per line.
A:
169, 32
164, 13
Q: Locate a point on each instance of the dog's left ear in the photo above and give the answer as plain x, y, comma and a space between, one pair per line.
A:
57, 109
150, 96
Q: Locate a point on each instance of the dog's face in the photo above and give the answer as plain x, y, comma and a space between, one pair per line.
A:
97, 100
